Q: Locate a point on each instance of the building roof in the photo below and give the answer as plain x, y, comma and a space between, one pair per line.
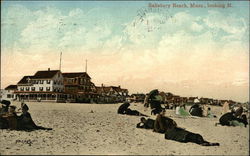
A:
104, 89
11, 87
73, 75
24, 80
47, 74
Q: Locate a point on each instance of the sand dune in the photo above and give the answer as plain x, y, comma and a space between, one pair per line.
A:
76, 130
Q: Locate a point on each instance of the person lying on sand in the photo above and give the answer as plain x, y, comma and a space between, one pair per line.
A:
123, 109
168, 126
25, 121
146, 123
233, 118
184, 136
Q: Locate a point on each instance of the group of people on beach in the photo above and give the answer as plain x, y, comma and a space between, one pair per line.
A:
166, 125
10, 120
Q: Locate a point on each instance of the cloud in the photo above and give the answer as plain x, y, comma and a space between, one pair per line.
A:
184, 53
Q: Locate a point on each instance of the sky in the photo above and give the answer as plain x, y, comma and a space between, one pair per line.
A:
200, 52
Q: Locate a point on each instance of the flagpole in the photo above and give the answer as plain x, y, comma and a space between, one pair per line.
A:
86, 66
60, 61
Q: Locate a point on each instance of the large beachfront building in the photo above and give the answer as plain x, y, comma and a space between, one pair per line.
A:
54, 86
78, 87
43, 86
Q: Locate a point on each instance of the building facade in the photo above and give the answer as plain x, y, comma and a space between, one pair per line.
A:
78, 87
8, 93
42, 86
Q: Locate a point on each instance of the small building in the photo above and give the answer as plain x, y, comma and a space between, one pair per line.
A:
8, 93
206, 100
111, 94
191, 100
137, 97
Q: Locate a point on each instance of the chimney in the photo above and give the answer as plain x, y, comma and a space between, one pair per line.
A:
48, 69
102, 84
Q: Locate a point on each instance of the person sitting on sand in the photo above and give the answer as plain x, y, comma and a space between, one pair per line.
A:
233, 118
25, 121
4, 106
146, 123
162, 123
210, 114
181, 135
123, 109
180, 110
196, 110
9, 119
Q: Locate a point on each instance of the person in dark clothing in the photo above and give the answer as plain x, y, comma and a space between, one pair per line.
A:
227, 118
154, 101
123, 109
3, 114
162, 123
9, 119
5, 106
146, 123
196, 110
155, 111
184, 136
25, 121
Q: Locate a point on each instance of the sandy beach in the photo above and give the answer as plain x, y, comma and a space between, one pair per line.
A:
97, 129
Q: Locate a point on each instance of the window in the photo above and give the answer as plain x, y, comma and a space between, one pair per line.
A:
33, 88
22, 88
40, 88
48, 81
47, 88
41, 81
27, 88
8, 95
